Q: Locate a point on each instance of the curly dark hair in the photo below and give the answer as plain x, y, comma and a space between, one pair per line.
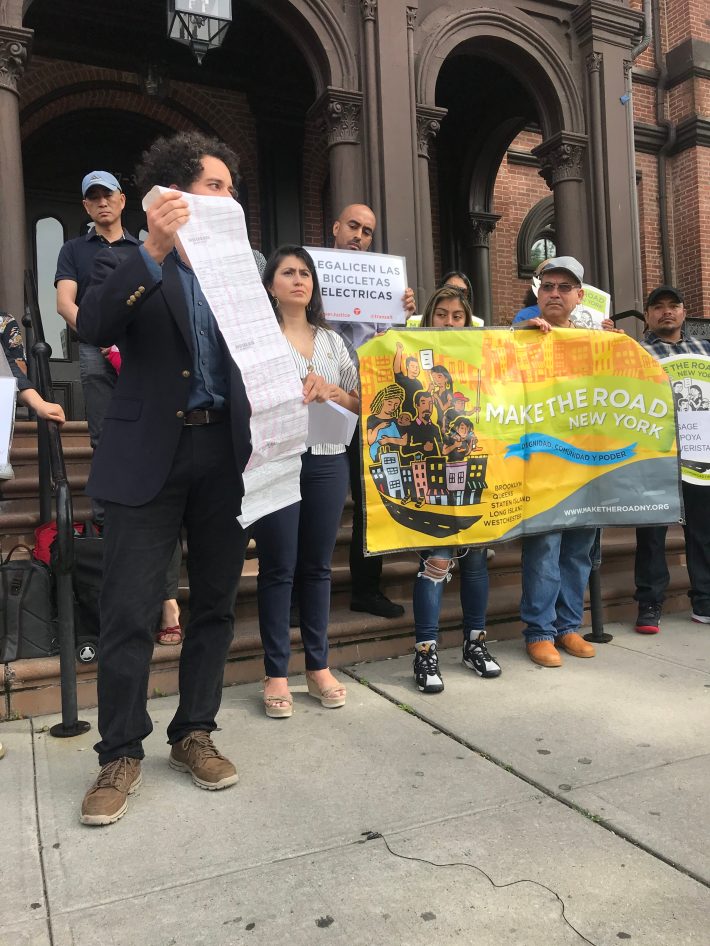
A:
178, 160
314, 309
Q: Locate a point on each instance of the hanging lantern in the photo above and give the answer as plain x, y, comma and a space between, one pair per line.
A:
199, 24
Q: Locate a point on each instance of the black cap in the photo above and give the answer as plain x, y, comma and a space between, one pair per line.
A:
664, 291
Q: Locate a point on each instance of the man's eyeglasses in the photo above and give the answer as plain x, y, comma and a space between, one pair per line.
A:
563, 287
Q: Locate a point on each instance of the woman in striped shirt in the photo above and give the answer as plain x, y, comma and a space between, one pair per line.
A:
298, 542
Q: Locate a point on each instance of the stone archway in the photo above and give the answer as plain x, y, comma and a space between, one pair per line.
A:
517, 43
528, 78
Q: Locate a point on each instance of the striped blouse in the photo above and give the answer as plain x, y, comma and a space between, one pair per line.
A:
332, 361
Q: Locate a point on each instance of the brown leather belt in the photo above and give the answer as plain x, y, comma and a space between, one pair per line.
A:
200, 418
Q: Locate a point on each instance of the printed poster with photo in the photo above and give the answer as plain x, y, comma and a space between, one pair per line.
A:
690, 381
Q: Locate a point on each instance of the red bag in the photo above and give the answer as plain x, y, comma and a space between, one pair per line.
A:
45, 535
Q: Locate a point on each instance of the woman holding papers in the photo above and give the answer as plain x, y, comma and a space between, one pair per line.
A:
298, 541
448, 308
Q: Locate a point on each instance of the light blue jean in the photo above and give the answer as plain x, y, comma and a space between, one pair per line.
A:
556, 569
426, 601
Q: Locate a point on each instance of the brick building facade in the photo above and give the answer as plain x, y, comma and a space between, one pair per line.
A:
472, 132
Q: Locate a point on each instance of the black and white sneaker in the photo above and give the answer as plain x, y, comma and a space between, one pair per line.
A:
426, 667
477, 658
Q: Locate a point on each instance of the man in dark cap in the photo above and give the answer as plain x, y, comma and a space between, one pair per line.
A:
665, 337
103, 201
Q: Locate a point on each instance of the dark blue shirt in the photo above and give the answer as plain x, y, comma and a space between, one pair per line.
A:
76, 258
209, 387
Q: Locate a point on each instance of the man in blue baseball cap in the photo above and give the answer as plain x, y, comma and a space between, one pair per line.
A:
103, 179
104, 202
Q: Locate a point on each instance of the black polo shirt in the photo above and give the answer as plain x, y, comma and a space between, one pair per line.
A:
76, 258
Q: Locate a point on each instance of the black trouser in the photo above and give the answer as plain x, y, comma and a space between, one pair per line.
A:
651, 571
365, 571
98, 380
201, 493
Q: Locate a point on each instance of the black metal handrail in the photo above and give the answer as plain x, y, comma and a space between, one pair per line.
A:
53, 481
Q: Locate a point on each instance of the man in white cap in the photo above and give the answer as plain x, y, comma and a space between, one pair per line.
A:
556, 565
103, 201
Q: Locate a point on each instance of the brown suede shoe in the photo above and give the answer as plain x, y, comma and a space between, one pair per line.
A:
576, 645
107, 799
544, 653
197, 754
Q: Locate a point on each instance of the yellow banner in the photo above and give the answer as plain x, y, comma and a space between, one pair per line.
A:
478, 436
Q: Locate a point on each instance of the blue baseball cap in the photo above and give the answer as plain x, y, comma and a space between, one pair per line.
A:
99, 179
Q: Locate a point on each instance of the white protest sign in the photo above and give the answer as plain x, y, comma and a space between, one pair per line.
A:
329, 422
593, 309
694, 436
361, 287
216, 243
690, 379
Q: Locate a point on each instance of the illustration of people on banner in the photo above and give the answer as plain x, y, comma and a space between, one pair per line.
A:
479, 437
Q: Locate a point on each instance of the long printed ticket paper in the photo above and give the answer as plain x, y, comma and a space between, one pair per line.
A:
216, 243
480, 436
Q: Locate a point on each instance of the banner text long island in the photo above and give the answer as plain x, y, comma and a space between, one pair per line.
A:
479, 436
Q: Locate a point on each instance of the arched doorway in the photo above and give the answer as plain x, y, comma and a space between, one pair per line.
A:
101, 89
489, 76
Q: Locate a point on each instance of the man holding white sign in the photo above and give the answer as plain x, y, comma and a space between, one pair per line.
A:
383, 299
687, 362
175, 442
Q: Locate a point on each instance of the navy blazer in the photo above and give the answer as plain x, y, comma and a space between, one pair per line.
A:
150, 323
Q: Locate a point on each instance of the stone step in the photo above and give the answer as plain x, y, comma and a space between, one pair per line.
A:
31, 687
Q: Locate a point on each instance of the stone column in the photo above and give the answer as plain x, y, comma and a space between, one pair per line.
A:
398, 162
605, 32
411, 13
340, 113
482, 224
373, 179
562, 162
15, 45
429, 120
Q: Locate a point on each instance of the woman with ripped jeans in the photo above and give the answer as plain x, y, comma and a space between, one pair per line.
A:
448, 309
435, 569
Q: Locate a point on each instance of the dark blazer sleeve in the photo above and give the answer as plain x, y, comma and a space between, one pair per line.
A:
120, 285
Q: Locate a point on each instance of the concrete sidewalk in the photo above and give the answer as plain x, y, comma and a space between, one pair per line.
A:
544, 808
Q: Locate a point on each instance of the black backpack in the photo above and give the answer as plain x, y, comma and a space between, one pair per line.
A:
28, 620
87, 576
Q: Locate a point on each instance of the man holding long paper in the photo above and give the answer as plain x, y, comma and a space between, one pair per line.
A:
174, 445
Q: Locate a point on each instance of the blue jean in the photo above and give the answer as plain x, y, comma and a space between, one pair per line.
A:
556, 569
427, 596
299, 541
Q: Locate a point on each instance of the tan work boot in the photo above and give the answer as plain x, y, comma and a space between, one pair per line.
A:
107, 799
576, 645
198, 755
544, 653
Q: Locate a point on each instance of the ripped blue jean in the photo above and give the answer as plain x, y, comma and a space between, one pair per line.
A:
428, 593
